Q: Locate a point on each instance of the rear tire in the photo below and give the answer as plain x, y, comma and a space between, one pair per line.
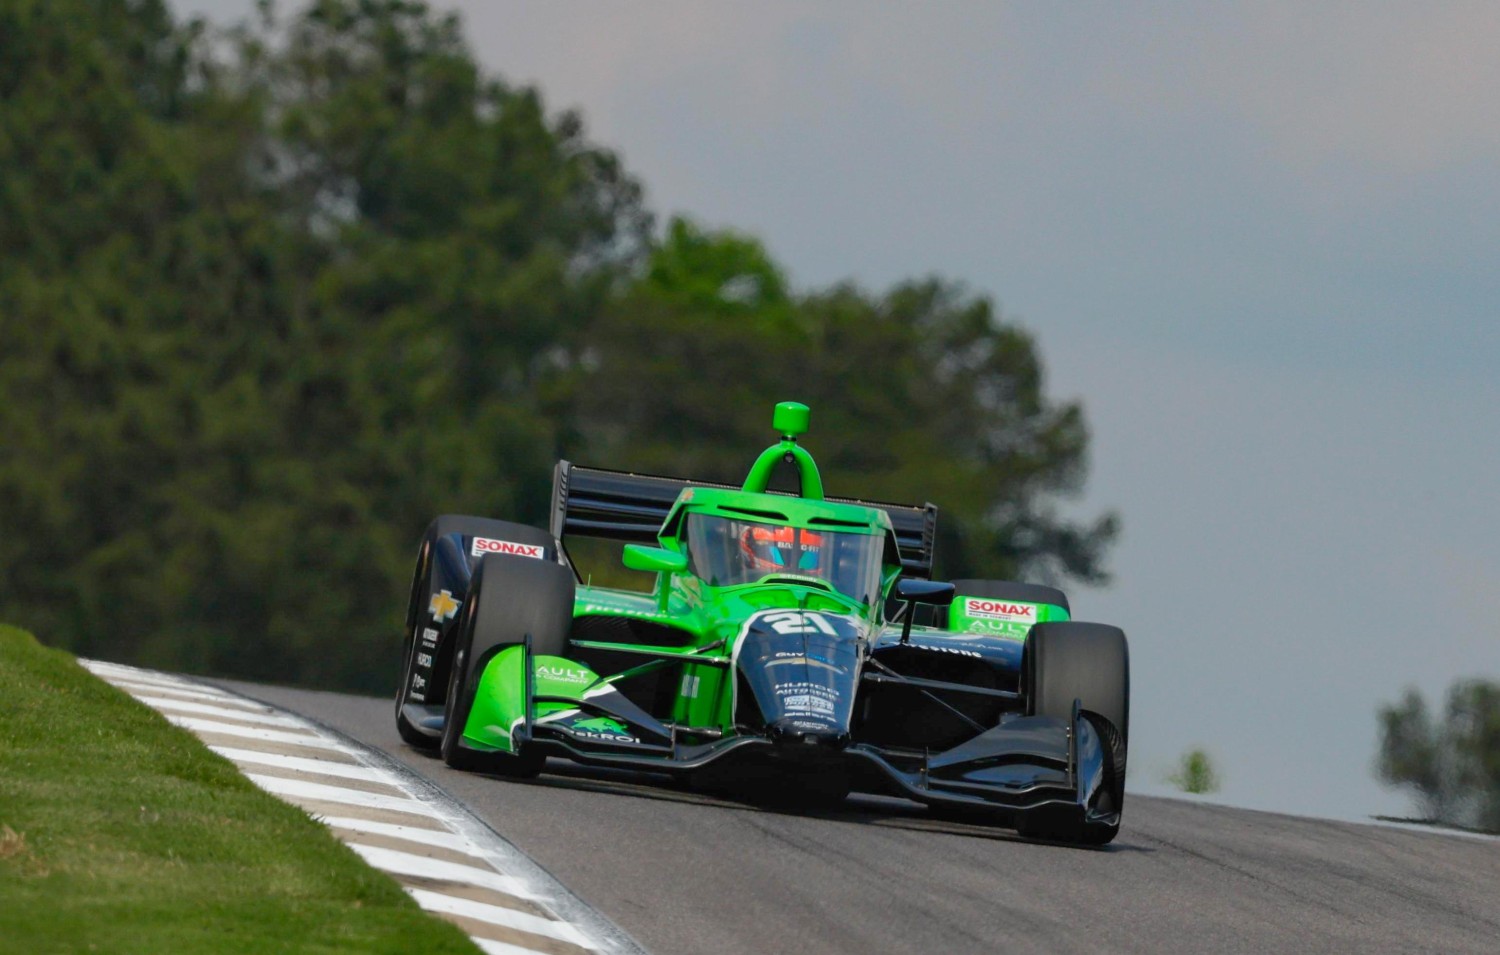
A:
1089, 662
509, 598
425, 582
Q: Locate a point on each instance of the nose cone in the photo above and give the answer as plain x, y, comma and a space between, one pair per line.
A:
802, 668
793, 735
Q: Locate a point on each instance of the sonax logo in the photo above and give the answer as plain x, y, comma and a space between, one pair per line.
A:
484, 545
1000, 610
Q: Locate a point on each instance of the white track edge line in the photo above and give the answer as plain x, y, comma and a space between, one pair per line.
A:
444, 839
496, 849
498, 915
132, 686
250, 732
424, 867
304, 764
320, 792
115, 673
176, 694
187, 708
515, 873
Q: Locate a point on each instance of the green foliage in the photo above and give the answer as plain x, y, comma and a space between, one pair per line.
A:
139, 310
256, 337
1453, 769
122, 833
272, 299
1196, 773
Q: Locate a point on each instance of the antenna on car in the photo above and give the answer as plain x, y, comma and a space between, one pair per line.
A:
790, 421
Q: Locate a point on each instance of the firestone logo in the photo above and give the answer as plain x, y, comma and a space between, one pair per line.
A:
484, 545
1000, 610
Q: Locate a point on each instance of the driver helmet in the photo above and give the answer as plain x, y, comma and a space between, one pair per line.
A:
781, 548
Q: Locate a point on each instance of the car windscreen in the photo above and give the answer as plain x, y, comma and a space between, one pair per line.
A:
724, 552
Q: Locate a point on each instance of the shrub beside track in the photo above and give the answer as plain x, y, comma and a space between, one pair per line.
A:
120, 831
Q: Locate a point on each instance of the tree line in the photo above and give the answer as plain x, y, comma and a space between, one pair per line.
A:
1451, 766
272, 297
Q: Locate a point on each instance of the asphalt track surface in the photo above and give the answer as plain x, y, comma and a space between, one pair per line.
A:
687, 874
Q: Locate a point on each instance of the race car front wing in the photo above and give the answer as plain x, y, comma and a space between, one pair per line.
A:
1025, 763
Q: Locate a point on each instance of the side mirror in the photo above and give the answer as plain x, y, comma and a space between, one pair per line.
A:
656, 560
915, 591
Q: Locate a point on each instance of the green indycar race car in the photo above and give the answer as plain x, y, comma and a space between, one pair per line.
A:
793, 644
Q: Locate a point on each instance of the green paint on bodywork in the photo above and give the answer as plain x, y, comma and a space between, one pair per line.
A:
559, 676
499, 703
603, 601
601, 724
760, 474
790, 420
999, 618
781, 509
703, 697
499, 708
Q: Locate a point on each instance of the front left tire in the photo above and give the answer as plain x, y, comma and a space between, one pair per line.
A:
425, 684
510, 600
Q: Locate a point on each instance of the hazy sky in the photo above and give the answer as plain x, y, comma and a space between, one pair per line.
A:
1261, 243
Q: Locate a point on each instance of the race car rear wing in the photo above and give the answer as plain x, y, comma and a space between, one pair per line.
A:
623, 506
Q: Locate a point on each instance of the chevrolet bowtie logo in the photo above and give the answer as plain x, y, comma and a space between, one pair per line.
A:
442, 606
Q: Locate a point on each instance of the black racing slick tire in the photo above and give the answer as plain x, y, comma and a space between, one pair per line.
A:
510, 599
427, 644
1090, 663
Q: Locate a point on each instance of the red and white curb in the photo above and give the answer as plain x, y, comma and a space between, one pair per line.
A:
451, 863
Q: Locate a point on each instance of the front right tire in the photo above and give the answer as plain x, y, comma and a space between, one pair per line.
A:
1088, 662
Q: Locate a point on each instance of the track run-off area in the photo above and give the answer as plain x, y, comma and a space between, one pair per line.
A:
686, 874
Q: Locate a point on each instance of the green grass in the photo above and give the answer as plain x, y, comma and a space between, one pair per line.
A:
121, 833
